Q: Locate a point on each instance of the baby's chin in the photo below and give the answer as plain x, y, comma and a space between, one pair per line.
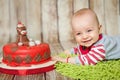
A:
87, 45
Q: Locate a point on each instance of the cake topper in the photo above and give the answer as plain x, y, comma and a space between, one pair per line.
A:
22, 39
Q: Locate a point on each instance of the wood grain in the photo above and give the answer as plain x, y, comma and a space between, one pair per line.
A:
49, 21
111, 17
33, 19
65, 9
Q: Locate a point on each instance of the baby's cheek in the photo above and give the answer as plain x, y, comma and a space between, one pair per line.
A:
78, 40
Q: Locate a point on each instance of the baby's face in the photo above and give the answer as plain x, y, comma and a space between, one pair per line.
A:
86, 30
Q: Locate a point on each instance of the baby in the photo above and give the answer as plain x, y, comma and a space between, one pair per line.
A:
93, 46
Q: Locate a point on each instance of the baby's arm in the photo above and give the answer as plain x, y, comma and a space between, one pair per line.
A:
58, 58
65, 60
97, 53
69, 56
64, 57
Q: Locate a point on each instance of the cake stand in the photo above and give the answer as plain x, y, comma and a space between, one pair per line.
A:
33, 69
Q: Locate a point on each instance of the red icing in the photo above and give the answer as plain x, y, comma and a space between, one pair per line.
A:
14, 55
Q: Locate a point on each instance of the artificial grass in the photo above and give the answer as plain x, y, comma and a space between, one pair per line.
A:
104, 70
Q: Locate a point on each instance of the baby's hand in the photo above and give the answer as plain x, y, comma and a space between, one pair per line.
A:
65, 60
57, 58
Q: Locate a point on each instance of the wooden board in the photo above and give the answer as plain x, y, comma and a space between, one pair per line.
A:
65, 10
111, 17
78, 4
68, 45
33, 19
118, 12
4, 23
30, 77
57, 47
16, 13
6, 76
49, 21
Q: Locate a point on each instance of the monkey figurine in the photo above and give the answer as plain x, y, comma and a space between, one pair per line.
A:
22, 39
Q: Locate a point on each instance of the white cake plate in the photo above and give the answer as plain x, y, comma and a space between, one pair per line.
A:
33, 69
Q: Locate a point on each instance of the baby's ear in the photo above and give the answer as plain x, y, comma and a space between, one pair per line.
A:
100, 28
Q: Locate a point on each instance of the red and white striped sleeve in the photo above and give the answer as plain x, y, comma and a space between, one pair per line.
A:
97, 53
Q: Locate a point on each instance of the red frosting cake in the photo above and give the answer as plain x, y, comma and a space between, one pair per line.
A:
25, 52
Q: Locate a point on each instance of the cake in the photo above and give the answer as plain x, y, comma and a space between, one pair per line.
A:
25, 51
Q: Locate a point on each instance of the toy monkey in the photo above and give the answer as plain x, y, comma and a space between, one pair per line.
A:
22, 39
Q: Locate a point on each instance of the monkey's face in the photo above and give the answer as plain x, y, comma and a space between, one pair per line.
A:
21, 31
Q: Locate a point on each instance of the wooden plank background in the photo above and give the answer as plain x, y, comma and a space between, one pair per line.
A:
50, 21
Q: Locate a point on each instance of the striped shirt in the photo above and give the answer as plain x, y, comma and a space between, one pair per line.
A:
97, 53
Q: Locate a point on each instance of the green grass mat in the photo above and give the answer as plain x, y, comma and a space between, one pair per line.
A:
105, 70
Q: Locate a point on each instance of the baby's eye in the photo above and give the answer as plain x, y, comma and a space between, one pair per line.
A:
89, 30
78, 33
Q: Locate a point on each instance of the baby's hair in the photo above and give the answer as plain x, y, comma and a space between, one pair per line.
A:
86, 11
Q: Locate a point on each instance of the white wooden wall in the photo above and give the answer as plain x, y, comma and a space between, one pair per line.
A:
49, 20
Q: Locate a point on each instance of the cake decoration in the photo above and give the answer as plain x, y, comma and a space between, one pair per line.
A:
22, 39
25, 51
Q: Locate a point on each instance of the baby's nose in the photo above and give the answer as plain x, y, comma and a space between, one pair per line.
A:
84, 36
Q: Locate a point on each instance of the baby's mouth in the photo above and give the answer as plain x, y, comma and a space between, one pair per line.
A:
86, 41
